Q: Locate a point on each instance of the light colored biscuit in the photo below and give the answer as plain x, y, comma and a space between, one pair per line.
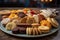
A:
27, 31
55, 22
36, 30
44, 29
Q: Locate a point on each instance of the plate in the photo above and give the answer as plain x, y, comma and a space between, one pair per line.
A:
53, 30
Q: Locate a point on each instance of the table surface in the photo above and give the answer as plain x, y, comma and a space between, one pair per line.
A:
55, 36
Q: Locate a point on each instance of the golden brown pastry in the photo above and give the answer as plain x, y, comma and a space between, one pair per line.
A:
36, 31
30, 20
13, 11
53, 22
13, 16
29, 31
19, 10
33, 32
23, 20
45, 23
2, 12
35, 24
10, 26
25, 10
39, 31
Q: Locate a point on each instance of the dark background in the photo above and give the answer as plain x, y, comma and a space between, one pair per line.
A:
32, 3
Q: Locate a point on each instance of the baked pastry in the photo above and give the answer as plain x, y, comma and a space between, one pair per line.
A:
35, 31
36, 18
23, 20
30, 20
39, 31
19, 11
5, 12
5, 20
13, 16
15, 21
45, 23
44, 29
25, 25
13, 11
35, 24
10, 26
53, 22
29, 30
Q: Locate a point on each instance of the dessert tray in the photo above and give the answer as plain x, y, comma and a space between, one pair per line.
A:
29, 22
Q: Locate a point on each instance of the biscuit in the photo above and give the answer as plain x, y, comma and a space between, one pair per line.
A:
44, 29
10, 26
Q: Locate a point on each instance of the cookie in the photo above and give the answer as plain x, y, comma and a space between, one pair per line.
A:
10, 26
53, 22
45, 23
35, 24
36, 30
44, 29
5, 21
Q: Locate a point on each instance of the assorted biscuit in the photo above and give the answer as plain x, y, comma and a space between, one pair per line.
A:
29, 21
